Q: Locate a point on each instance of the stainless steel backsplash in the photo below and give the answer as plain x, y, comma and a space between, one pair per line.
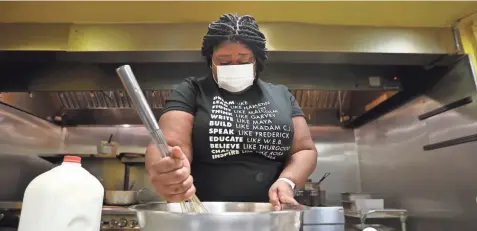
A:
337, 154
22, 133
438, 187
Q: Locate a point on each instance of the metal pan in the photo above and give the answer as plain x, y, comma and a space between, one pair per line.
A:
131, 197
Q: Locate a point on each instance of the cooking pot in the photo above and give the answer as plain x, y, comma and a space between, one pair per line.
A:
123, 197
230, 216
311, 194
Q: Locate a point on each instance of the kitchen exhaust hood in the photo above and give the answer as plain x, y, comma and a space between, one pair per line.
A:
82, 88
115, 107
338, 74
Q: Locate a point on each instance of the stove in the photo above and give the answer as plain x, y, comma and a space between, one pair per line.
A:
115, 218
118, 218
10, 214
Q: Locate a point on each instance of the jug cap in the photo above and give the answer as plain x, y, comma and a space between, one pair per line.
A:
72, 159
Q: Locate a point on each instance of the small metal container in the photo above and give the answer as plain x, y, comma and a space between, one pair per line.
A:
299, 196
122, 197
303, 197
312, 186
322, 198
315, 199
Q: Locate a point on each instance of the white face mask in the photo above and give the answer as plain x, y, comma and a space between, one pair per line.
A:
235, 78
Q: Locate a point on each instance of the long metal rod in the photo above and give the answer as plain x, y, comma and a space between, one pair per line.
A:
142, 107
145, 113
456, 37
127, 170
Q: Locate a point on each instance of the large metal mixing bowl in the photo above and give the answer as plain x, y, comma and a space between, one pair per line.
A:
221, 216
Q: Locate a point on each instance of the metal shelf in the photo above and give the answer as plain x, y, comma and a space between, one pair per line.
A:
400, 214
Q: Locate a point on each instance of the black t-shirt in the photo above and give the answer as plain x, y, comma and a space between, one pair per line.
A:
239, 142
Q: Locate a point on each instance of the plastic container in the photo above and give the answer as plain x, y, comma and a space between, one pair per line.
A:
66, 198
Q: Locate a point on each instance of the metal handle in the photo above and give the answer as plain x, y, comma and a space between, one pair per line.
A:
142, 107
324, 177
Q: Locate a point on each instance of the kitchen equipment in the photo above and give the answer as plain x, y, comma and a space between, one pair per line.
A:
309, 185
315, 199
118, 218
324, 219
353, 196
348, 200
147, 117
311, 194
324, 177
17, 171
108, 147
400, 214
322, 197
230, 216
127, 170
69, 194
132, 158
364, 205
9, 214
113, 218
117, 197
302, 197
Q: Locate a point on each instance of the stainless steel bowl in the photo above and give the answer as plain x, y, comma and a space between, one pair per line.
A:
230, 216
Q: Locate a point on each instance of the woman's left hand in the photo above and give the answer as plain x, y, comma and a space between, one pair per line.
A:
281, 193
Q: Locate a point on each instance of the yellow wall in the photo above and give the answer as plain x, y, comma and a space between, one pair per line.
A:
386, 14
468, 37
188, 36
360, 13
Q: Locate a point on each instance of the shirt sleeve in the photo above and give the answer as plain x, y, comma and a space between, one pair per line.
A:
182, 98
296, 109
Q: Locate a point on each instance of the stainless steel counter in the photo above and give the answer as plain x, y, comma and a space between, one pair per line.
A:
324, 215
324, 219
333, 219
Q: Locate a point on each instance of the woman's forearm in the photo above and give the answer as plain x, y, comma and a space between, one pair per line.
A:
302, 162
300, 166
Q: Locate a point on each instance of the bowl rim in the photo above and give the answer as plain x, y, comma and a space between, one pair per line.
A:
288, 210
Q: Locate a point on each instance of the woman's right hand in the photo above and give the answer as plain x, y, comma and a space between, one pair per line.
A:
170, 176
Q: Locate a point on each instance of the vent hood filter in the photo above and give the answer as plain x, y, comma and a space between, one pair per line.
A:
71, 100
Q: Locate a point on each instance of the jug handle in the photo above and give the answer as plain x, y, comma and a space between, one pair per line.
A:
138, 195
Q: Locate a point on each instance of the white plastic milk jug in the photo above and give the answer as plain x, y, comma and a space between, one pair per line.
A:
66, 198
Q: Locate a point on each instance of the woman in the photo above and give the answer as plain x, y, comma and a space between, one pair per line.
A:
242, 139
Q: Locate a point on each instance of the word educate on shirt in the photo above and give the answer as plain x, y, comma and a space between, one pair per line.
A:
241, 128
